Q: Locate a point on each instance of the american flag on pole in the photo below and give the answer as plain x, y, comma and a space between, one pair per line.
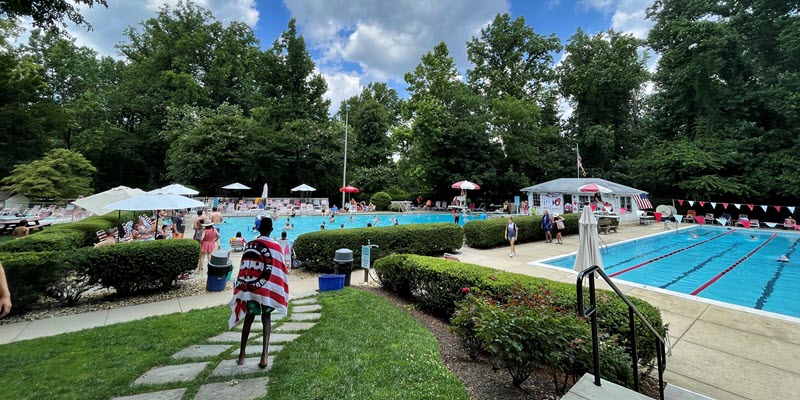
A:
262, 278
642, 202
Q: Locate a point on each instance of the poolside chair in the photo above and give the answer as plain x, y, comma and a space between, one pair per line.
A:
744, 221
448, 256
481, 208
128, 227
709, 218
789, 224
101, 235
754, 223
690, 216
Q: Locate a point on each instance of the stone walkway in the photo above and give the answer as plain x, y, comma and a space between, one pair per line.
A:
228, 379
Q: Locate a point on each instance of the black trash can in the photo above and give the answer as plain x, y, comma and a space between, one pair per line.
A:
218, 269
343, 264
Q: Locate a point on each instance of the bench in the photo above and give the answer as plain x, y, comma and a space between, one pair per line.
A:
605, 225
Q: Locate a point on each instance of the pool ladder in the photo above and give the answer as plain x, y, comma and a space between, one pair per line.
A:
603, 245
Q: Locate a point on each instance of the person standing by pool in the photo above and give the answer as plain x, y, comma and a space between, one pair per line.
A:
179, 222
261, 288
558, 226
511, 234
209, 241
455, 216
546, 225
216, 218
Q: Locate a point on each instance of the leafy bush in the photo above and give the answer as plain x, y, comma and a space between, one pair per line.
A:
140, 266
315, 250
436, 285
381, 200
397, 193
488, 233
29, 275
74, 282
63, 236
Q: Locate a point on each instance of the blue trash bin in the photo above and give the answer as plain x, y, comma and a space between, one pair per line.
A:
219, 269
331, 282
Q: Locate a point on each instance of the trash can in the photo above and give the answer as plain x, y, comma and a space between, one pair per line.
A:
330, 282
218, 269
343, 264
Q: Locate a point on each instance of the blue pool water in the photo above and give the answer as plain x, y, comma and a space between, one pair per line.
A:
307, 223
736, 266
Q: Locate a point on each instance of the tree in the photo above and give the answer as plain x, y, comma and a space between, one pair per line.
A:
60, 174
49, 14
602, 78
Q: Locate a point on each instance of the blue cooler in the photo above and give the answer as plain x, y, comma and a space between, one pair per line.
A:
330, 282
219, 269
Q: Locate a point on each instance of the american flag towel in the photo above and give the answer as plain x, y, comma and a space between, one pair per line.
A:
642, 202
262, 278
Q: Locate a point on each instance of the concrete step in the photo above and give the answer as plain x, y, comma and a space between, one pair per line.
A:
585, 389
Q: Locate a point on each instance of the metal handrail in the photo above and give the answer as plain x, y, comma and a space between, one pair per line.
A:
604, 245
591, 312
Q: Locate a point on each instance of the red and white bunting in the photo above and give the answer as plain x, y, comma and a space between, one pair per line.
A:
764, 208
777, 208
791, 209
713, 205
725, 206
691, 203
702, 203
751, 206
738, 206
680, 202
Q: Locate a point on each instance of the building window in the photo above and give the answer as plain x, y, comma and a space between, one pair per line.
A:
536, 200
584, 200
626, 203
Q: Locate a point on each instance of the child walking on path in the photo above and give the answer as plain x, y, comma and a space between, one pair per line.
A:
511, 234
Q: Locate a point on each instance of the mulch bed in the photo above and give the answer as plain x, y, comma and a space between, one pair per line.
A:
483, 382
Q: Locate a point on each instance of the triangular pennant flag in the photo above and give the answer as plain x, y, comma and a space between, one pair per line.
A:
725, 205
751, 206
777, 208
713, 205
702, 203
691, 203
791, 209
737, 206
764, 208
680, 202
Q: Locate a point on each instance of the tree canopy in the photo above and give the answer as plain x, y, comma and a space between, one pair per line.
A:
60, 174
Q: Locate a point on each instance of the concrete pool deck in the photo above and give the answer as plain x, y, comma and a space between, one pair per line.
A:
720, 351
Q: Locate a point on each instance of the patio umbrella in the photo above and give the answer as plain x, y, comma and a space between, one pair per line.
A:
236, 186
465, 185
155, 200
589, 247
594, 188
265, 193
97, 203
306, 188
349, 189
176, 188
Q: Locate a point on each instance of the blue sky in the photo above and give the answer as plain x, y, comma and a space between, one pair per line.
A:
354, 42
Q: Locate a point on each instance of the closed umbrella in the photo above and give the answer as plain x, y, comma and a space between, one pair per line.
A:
589, 247
176, 188
265, 193
97, 203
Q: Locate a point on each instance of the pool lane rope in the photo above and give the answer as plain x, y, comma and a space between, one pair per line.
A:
734, 265
669, 254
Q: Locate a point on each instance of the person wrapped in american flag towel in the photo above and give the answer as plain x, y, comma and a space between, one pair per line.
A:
261, 287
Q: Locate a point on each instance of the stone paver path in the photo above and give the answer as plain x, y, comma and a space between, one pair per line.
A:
202, 350
302, 310
247, 389
305, 316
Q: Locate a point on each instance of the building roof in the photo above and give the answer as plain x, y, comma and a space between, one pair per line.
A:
571, 185
4, 195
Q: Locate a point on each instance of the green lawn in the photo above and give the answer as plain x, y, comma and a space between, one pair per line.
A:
364, 347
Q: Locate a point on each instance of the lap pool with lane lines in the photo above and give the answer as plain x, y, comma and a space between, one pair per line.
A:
736, 266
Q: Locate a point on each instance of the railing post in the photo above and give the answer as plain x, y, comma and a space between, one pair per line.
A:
595, 337
634, 356
661, 354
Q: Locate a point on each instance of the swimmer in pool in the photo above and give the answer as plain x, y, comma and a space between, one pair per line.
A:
783, 258
693, 235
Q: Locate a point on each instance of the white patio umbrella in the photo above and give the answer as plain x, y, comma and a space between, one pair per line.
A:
303, 188
176, 188
155, 200
236, 186
97, 203
589, 247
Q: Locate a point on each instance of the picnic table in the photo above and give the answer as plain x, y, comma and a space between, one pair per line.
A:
8, 224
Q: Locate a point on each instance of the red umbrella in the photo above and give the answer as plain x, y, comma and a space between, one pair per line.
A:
466, 185
349, 189
594, 188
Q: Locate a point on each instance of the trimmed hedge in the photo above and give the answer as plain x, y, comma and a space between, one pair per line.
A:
436, 285
67, 236
488, 233
140, 266
315, 250
29, 275
381, 200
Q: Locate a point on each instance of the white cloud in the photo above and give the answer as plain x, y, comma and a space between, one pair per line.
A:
599, 5
341, 86
109, 24
386, 39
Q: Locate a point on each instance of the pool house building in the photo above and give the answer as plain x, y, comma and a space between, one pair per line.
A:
554, 196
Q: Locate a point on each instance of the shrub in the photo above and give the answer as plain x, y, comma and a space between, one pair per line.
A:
488, 233
315, 250
436, 285
140, 266
381, 200
29, 274
74, 281
63, 236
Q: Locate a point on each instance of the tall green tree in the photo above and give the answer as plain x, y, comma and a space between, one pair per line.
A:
49, 14
60, 174
602, 78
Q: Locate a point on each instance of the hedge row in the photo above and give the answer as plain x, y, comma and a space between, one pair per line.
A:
67, 236
488, 233
315, 250
126, 267
436, 285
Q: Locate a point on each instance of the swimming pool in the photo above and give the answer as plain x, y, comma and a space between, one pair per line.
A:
736, 266
307, 223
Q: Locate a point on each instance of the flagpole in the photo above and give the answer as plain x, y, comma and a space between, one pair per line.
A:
577, 163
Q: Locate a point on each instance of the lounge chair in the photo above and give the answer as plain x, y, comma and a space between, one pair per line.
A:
710, 218
690, 216
789, 224
448, 256
744, 221
754, 223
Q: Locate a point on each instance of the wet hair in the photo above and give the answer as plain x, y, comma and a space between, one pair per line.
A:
369, 224
283, 235
265, 226
213, 208
238, 234
22, 222
199, 213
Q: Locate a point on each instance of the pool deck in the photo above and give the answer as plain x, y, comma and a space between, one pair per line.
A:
720, 351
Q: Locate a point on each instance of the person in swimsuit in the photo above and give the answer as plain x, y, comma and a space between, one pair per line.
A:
511, 234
